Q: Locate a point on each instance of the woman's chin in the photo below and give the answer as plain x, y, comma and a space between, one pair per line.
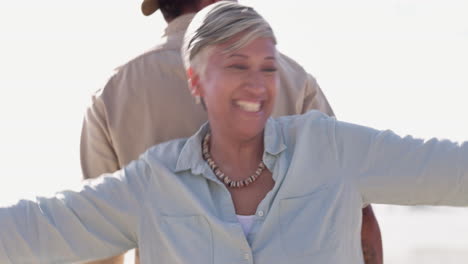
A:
242, 124
248, 130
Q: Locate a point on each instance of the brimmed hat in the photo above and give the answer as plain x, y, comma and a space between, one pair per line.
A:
148, 7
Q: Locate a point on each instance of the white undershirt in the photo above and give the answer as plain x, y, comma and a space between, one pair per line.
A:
246, 221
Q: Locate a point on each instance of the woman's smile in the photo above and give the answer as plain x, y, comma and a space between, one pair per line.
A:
251, 107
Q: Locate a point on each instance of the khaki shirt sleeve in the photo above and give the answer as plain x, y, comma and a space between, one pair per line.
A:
314, 98
96, 151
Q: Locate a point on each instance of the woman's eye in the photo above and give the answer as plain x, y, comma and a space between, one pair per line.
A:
270, 69
238, 67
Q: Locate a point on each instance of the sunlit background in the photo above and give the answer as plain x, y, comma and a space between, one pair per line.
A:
399, 64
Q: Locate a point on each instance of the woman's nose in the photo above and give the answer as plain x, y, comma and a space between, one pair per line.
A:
255, 82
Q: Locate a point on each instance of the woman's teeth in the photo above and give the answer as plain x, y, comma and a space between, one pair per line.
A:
249, 106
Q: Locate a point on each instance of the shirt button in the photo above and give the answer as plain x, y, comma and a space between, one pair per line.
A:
246, 256
260, 213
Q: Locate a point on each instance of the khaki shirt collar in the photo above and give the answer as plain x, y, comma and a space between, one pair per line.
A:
178, 25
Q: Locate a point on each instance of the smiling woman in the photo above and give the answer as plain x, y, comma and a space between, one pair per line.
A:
245, 100
300, 180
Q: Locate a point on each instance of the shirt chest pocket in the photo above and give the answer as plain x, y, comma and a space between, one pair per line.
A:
307, 224
186, 239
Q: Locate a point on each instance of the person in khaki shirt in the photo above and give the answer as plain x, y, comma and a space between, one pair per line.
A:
147, 101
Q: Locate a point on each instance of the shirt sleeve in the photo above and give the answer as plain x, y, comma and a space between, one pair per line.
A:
95, 222
390, 169
97, 153
315, 98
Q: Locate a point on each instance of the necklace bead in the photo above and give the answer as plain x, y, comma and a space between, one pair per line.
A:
223, 177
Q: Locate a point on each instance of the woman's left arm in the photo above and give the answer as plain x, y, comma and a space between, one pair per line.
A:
391, 169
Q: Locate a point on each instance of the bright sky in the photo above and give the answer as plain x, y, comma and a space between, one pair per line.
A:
399, 64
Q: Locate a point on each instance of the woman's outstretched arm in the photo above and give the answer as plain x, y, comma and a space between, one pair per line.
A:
390, 169
97, 221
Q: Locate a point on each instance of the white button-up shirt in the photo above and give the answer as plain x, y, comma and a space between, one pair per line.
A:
171, 205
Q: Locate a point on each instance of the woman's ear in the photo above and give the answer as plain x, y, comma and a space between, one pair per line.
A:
193, 82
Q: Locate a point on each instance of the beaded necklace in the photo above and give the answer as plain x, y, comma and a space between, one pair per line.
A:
223, 177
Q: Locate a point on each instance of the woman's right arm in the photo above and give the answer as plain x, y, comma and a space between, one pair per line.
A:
95, 222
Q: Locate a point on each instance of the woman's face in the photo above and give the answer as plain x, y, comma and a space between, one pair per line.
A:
239, 87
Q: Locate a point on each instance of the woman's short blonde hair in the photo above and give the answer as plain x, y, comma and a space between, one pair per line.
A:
218, 23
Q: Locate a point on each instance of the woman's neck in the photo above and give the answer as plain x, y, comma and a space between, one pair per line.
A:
236, 157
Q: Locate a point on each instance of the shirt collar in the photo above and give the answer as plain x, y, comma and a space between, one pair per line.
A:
273, 140
191, 158
179, 24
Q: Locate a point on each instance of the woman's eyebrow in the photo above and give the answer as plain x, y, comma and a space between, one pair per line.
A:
238, 55
245, 56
